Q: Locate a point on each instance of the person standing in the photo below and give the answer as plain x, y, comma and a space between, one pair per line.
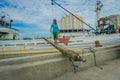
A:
55, 30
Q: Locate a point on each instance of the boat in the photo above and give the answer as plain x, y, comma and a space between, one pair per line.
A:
6, 30
78, 38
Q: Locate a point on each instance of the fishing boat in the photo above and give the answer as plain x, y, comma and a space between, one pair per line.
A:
6, 30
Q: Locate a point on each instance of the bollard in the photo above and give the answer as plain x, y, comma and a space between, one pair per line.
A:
97, 43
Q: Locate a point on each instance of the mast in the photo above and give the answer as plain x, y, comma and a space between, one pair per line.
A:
98, 9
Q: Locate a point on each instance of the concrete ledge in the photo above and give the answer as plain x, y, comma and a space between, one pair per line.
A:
32, 58
101, 57
48, 67
40, 70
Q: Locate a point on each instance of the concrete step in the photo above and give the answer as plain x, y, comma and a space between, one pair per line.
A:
50, 66
42, 57
32, 58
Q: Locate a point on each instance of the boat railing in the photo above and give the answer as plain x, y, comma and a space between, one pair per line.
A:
40, 44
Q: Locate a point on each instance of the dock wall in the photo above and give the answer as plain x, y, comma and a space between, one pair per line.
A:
50, 66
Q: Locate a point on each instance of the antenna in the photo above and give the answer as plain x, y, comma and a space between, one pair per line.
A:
98, 9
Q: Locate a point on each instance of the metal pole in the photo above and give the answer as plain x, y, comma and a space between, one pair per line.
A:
74, 56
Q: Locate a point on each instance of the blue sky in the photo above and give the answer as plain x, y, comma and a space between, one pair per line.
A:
34, 17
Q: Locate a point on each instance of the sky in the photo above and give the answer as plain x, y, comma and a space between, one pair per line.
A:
33, 18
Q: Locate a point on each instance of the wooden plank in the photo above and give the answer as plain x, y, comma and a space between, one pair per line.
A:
72, 55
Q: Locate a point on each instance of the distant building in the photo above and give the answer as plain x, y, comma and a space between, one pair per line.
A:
70, 22
115, 19
71, 25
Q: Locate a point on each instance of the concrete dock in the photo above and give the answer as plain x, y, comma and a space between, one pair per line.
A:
26, 61
57, 67
111, 71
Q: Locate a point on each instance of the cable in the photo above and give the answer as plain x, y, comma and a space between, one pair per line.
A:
73, 15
